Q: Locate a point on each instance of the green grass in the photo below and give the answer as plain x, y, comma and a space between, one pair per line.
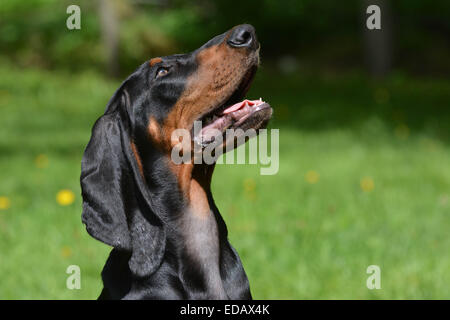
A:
297, 239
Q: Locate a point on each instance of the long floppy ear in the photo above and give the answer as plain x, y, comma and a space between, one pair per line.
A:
117, 205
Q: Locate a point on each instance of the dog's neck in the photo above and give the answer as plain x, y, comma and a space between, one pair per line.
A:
199, 226
199, 193
200, 230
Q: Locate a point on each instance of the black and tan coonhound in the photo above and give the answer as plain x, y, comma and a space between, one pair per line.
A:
169, 240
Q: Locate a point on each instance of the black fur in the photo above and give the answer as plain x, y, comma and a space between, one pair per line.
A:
141, 215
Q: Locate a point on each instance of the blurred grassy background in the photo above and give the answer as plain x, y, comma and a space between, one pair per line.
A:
364, 156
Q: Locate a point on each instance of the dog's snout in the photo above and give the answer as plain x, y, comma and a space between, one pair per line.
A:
243, 36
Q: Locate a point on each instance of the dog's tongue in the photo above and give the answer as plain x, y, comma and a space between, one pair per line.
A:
240, 105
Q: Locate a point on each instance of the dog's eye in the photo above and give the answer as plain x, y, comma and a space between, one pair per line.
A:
161, 72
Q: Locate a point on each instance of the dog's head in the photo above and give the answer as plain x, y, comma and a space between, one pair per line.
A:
123, 204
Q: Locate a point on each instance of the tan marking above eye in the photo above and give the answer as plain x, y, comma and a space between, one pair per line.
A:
155, 61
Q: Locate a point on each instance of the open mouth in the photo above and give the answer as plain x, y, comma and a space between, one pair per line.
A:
235, 113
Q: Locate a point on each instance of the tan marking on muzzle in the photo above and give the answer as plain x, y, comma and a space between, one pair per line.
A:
220, 71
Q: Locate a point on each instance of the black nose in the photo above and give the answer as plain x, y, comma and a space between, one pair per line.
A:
243, 36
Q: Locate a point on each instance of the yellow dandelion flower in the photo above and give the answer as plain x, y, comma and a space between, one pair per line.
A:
41, 161
66, 252
65, 197
249, 184
312, 177
249, 189
367, 184
4, 203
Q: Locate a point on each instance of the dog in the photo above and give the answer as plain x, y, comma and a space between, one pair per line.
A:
169, 240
